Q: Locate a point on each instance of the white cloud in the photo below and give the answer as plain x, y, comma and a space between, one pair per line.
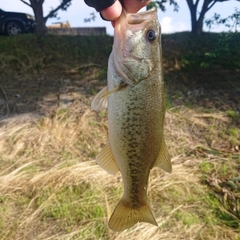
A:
168, 25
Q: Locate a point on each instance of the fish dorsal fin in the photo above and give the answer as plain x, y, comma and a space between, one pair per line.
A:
163, 160
100, 102
106, 160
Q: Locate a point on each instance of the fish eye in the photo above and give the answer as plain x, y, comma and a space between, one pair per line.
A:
151, 35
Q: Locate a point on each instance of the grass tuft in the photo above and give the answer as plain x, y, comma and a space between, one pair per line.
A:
50, 181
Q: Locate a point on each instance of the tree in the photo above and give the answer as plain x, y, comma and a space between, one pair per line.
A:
37, 6
232, 21
197, 19
91, 18
161, 5
197, 12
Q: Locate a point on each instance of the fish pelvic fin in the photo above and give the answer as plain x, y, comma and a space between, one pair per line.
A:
124, 217
106, 160
163, 160
100, 102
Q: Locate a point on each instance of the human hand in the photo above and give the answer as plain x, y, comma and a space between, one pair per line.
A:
132, 6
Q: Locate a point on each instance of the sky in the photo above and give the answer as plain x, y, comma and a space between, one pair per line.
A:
170, 21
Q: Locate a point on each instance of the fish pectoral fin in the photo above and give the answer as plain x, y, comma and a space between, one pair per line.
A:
106, 160
100, 102
120, 86
124, 217
163, 160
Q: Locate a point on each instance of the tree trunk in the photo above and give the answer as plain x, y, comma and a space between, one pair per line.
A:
194, 22
37, 6
197, 27
197, 23
193, 12
205, 8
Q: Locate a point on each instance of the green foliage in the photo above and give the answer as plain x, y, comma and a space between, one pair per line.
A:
234, 115
168, 102
92, 17
221, 215
73, 205
214, 49
187, 218
102, 75
232, 21
161, 5
223, 180
26, 53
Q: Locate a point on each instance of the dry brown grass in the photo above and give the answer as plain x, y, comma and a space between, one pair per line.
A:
45, 162
51, 139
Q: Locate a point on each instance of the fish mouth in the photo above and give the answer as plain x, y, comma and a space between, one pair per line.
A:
137, 18
127, 27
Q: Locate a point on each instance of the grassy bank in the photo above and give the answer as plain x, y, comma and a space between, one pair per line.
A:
180, 50
26, 54
50, 185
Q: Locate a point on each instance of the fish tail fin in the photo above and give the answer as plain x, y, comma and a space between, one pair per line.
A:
124, 217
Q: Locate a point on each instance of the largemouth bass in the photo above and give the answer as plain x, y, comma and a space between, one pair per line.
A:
134, 97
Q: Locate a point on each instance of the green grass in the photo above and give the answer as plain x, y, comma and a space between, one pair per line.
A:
208, 50
220, 214
73, 205
234, 115
223, 198
188, 219
50, 185
56, 195
26, 54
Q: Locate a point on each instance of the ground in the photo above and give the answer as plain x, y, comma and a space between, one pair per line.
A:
51, 187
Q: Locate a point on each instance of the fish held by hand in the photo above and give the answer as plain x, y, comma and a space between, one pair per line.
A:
135, 101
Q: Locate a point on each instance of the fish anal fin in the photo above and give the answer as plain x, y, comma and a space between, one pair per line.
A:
100, 102
124, 217
106, 160
163, 160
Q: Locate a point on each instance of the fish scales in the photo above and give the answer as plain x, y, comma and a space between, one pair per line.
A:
136, 112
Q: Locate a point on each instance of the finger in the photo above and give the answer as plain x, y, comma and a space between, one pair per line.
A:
113, 12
